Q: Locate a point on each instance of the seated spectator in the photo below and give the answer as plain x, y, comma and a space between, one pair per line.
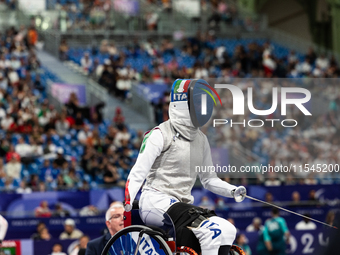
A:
71, 178
312, 199
220, 204
89, 210
241, 241
206, 203
295, 199
7, 122
122, 135
57, 249
60, 183
78, 121
60, 211
62, 126
44, 235
70, 231
23, 189
23, 149
256, 225
125, 160
305, 224
63, 50
60, 160
114, 221
111, 175
42, 211
39, 227
268, 198
81, 247
84, 134
330, 217
86, 62
13, 168
119, 118
34, 182
2, 169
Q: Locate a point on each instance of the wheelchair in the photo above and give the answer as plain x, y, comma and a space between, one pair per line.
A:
153, 240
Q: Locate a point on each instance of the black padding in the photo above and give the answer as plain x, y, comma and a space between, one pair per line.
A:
224, 249
135, 205
183, 215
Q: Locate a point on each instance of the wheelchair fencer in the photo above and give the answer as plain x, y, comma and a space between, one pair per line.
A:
171, 234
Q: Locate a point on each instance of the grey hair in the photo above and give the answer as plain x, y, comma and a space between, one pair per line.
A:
112, 208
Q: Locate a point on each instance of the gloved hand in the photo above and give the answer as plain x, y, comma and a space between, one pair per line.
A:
239, 193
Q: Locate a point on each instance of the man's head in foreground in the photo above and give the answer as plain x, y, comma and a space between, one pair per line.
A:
115, 218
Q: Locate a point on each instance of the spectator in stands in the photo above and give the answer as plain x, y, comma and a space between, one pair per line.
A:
122, 134
43, 235
111, 175
312, 199
114, 221
32, 36
220, 204
84, 134
78, 121
60, 183
330, 217
62, 126
24, 150
71, 178
80, 249
70, 230
296, 201
256, 225
7, 122
86, 63
42, 211
34, 182
119, 119
57, 249
63, 50
60, 212
13, 167
60, 160
305, 224
268, 198
241, 241
206, 203
89, 210
39, 227
2, 169
23, 189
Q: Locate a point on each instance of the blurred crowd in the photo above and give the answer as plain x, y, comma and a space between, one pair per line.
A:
45, 149
204, 56
79, 15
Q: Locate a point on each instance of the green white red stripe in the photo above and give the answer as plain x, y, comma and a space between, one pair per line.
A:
181, 86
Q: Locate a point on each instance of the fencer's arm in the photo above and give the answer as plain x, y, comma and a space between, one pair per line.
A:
146, 157
210, 180
3, 228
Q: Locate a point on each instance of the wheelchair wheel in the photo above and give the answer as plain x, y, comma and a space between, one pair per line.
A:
129, 239
186, 250
235, 250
